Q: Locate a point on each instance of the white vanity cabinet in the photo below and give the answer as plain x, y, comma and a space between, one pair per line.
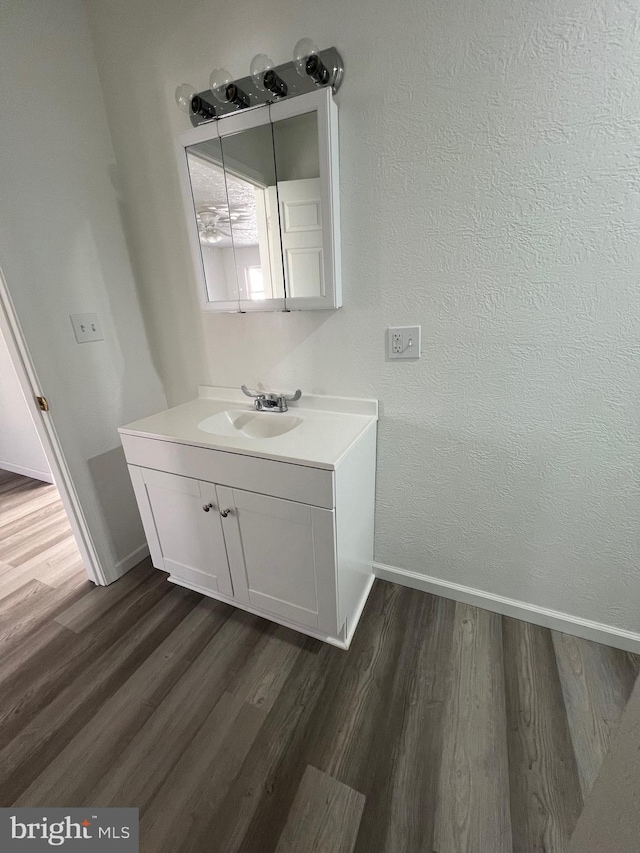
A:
287, 541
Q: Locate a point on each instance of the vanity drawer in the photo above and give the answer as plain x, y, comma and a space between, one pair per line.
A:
300, 483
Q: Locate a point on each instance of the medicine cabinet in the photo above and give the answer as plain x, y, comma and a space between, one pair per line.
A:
261, 199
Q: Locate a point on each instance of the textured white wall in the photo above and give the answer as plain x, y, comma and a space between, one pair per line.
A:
20, 447
490, 191
63, 251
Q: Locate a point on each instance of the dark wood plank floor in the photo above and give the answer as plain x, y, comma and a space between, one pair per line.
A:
445, 728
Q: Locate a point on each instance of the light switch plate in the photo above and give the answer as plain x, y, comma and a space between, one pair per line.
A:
86, 327
403, 342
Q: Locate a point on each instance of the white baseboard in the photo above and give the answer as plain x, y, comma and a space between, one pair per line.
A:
128, 562
629, 641
27, 472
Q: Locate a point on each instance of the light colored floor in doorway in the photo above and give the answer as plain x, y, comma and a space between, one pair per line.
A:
37, 546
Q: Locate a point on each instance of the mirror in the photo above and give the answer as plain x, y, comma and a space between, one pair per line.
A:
300, 204
251, 185
263, 184
213, 219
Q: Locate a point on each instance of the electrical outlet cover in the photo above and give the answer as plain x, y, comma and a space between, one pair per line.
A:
403, 342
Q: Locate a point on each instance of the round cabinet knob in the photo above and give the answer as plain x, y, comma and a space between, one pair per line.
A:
207, 507
224, 512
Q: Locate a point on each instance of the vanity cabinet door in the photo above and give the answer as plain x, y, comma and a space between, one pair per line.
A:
281, 556
185, 538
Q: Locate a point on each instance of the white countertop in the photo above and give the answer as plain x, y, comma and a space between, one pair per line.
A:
329, 427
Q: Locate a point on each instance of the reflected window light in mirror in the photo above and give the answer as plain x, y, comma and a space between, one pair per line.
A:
255, 282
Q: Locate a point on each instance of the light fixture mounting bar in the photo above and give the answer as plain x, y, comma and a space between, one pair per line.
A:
295, 85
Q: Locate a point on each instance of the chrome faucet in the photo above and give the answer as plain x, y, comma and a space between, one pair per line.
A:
271, 402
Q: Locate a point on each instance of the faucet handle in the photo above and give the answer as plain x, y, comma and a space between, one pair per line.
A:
290, 398
248, 393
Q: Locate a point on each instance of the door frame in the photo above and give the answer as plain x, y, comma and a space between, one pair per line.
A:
13, 335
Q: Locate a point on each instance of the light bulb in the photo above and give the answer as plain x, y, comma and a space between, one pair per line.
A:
184, 94
260, 64
265, 77
301, 52
218, 82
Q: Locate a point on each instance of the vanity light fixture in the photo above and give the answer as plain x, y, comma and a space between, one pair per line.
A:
193, 104
308, 63
265, 77
267, 83
226, 90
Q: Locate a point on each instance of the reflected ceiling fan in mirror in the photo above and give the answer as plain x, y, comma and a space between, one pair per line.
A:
215, 223
209, 229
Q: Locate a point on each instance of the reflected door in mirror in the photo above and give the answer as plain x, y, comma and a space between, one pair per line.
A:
300, 204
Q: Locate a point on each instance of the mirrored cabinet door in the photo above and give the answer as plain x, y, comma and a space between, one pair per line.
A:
247, 147
300, 206
214, 212
260, 188
305, 145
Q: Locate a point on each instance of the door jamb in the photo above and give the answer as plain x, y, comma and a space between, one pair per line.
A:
19, 352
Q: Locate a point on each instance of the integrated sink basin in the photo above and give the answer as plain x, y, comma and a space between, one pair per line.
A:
316, 431
234, 424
